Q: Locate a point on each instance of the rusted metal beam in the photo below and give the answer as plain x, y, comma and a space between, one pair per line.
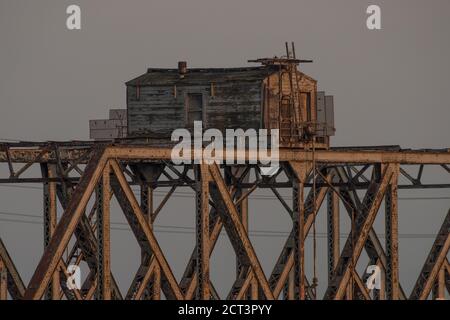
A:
352, 203
153, 284
85, 247
143, 284
66, 226
142, 230
363, 224
16, 287
103, 237
245, 289
237, 232
433, 263
202, 231
333, 222
24, 155
50, 221
349, 156
321, 156
248, 289
3, 280
285, 261
146, 283
391, 226
190, 276
447, 275
301, 171
439, 285
360, 285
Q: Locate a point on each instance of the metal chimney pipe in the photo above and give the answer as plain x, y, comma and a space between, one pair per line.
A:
182, 67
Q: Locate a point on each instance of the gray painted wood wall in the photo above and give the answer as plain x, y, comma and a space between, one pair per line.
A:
158, 110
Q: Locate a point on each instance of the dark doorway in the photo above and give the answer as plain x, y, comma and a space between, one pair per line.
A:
194, 108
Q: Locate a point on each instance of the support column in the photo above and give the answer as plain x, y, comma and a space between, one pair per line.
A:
202, 231
299, 253
3, 281
103, 236
254, 290
50, 221
391, 225
237, 172
333, 232
153, 290
382, 293
298, 189
147, 208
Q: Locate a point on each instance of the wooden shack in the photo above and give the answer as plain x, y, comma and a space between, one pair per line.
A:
275, 95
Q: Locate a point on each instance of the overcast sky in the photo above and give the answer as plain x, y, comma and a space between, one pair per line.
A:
391, 86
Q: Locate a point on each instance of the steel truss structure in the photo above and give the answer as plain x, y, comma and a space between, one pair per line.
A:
74, 172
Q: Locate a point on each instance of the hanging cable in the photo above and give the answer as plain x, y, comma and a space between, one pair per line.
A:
315, 279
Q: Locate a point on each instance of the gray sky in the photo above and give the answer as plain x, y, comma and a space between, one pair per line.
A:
390, 86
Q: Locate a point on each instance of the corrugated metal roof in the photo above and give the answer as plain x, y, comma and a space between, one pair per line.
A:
158, 76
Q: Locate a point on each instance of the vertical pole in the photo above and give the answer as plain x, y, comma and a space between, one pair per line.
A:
3, 281
103, 230
301, 236
254, 283
299, 227
50, 220
333, 232
382, 291
154, 285
202, 231
147, 210
243, 212
391, 225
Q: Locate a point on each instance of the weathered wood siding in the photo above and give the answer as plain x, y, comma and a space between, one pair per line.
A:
155, 111
272, 97
235, 105
158, 110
